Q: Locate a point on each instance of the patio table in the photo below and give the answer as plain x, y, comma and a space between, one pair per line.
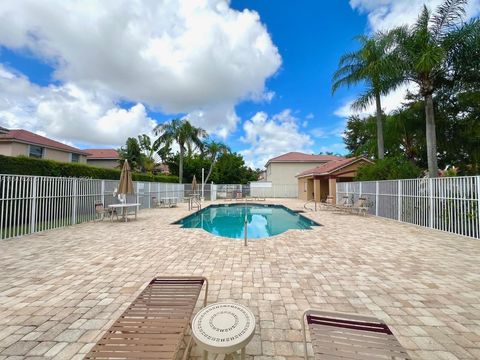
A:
223, 328
124, 208
169, 201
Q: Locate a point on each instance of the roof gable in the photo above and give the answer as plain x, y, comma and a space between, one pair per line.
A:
332, 166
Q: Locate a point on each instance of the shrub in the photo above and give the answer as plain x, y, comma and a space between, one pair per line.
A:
28, 166
388, 169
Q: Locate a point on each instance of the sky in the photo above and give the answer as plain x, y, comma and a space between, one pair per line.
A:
256, 74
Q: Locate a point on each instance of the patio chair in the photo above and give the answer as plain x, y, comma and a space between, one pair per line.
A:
155, 323
343, 204
328, 203
102, 210
360, 206
348, 336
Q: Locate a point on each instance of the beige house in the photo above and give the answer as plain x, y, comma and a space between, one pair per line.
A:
283, 169
20, 142
105, 158
319, 182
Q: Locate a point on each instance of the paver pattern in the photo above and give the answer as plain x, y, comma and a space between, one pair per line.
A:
61, 289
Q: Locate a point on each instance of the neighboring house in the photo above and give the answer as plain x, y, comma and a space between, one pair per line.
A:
319, 182
162, 169
105, 158
18, 142
283, 169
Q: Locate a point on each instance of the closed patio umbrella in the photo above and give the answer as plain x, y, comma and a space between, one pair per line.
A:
126, 184
194, 185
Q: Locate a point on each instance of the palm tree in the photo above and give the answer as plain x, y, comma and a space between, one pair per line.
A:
372, 64
214, 149
184, 134
424, 50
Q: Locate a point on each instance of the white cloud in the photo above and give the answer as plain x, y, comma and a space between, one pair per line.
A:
67, 112
176, 56
390, 102
272, 136
385, 14
334, 148
309, 116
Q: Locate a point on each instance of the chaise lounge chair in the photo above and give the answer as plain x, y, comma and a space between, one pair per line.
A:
348, 336
360, 206
154, 325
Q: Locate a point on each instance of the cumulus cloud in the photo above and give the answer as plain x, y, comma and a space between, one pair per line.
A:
175, 56
390, 102
385, 14
271, 136
68, 112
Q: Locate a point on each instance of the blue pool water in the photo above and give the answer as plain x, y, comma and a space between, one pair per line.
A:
262, 220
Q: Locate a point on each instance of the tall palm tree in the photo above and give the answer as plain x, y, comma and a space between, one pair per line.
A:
372, 64
184, 134
213, 150
424, 50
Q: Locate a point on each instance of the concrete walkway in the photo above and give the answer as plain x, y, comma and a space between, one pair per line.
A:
60, 290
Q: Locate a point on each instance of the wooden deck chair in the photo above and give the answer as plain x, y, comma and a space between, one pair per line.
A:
155, 323
349, 336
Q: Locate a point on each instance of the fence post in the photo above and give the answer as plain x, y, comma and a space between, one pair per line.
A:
430, 201
74, 202
376, 198
360, 189
33, 208
103, 193
477, 179
399, 216
149, 195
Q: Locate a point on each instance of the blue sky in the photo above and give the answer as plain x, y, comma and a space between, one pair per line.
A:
255, 75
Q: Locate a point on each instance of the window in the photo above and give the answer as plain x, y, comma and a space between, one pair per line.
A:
75, 158
35, 151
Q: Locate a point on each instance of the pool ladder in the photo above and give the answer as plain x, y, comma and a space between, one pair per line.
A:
194, 202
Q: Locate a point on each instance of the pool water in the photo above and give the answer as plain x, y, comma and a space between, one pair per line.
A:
262, 220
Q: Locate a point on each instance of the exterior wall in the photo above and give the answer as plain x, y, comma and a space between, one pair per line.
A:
19, 149
108, 164
302, 193
316, 189
349, 171
284, 173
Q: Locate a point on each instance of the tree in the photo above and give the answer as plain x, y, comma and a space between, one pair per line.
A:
373, 64
131, 151
184, 134
149, 149
424, 50
213, 150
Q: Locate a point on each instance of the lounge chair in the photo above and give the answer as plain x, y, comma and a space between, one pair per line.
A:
360, 206
155, 323
101, 210
328, 203
343, 204
349, 336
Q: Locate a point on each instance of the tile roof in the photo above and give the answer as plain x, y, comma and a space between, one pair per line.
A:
301, 157
331, 166
102, 153
25, 136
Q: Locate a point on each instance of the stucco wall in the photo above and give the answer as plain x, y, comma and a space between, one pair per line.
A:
284, 173
109, 164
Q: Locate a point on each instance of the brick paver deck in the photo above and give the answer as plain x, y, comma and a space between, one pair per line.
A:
60, 290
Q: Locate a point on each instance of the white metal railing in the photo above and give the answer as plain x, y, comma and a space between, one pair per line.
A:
450, 204
30, 204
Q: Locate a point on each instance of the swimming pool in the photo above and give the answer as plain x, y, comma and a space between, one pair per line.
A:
262, 220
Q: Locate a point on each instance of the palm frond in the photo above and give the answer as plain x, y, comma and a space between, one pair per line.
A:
364, 101
447, 15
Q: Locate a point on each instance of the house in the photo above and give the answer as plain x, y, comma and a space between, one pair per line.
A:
105, 158
319, 182
17, 142
283, 169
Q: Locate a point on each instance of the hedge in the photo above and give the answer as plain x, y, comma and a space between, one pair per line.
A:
22, 165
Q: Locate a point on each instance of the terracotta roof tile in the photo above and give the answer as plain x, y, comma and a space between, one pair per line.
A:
101, 153
31, 138
301, 157
331, 166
